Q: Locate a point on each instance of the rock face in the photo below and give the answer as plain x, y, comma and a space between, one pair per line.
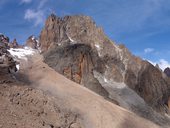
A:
14, 44
7, 63
75, 47
76, 62
150, 79
32, 42
72, 29
167, 72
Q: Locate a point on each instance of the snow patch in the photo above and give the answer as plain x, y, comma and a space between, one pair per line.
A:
72, 41
105, 80
21, 53
98, 47
33, 38
17, 66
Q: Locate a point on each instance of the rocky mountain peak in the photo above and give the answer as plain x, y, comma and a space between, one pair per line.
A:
78, 49
79, 29
6, 41
32, 42
7, 63
14, 44
70, 30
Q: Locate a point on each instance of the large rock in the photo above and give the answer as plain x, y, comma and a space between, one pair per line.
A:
167, 71
75, 47
7, 63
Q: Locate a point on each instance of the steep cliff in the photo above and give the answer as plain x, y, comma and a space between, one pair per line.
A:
75, 47
7, 63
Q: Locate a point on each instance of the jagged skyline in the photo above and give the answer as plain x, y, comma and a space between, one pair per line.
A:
141, 25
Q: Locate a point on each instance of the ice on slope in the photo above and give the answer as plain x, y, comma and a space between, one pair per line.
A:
21, 53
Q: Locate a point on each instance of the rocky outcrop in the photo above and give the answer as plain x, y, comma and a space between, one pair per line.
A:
167, 71
32, 42
70, 29
7, 63
152, 86
14, 44
77, 62
75, 47
8, 44
4, 41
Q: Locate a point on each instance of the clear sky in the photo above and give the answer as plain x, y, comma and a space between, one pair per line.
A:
142, 25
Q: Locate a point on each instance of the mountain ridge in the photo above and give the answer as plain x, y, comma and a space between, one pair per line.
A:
76, 48
63, 28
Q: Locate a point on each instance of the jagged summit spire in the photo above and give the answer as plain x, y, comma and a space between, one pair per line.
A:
71, 29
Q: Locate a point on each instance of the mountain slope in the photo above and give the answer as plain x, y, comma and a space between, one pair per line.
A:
47, 99
76, 48
92, 110
37, 96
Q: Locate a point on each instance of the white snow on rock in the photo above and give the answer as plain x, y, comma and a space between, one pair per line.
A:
17, 66
38, 43
33, 37
72, 41
98, 47
21, 53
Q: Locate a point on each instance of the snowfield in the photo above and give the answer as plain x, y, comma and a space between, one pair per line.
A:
21, 54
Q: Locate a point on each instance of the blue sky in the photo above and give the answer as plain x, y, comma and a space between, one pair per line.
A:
142, 25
